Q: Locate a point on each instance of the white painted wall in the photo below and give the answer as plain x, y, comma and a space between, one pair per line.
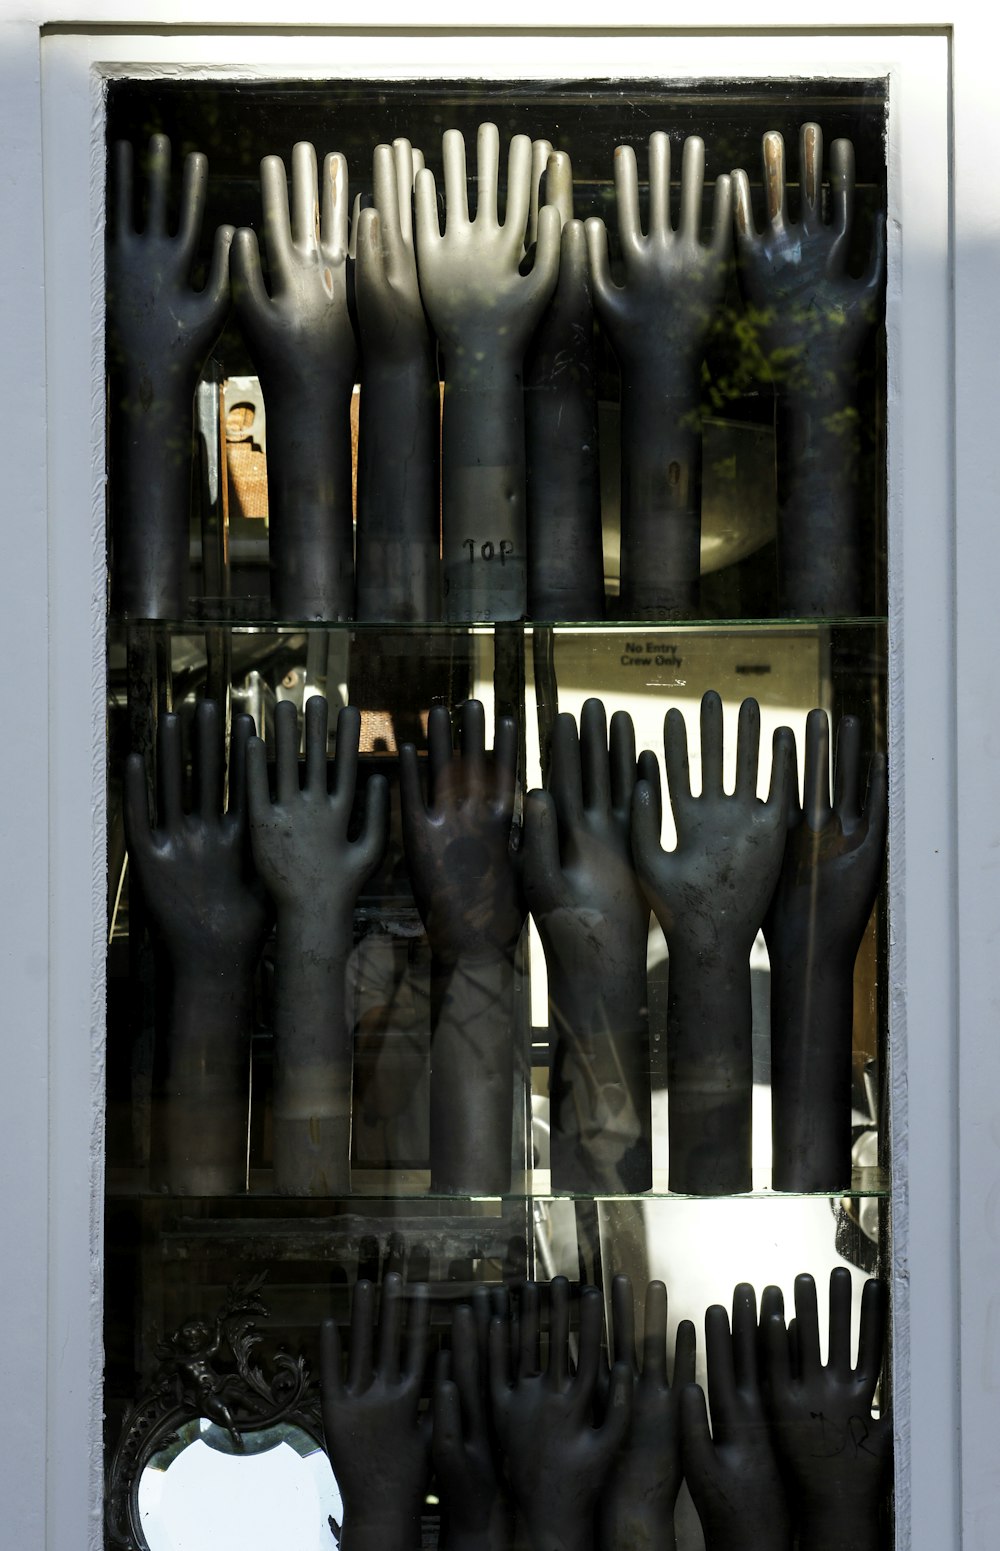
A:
945, 693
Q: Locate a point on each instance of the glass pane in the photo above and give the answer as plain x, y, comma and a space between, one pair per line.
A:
497, 680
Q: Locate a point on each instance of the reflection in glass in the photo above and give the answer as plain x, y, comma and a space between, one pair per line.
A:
277, 1494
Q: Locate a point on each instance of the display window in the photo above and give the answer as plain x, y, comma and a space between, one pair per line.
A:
479, 456
500, 1131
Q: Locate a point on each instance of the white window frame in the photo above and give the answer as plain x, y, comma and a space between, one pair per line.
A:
944, 475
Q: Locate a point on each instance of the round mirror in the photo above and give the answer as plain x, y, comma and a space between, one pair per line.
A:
201, 1492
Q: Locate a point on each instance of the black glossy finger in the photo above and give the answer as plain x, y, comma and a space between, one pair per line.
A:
685, 1353
456, 191
722, 218
345, 770
746, 227
208, 786
518, 196
842, 191
871, 1342
213, 301
439, 753
594, 763
711, 744
783, 791
499, 1368
194, 191
359, 1361
169, 772
428, 227
258, 790
654, 1335
277, 221
566, 775
369, 273
747, 749
772, 1301
772, 1306
250, 296
409, 161
608, 297
465, 1357
745, 1336
472, 745
557, 1372
157, 185
816, 785
335, 203
286, 751
807, 1328
487, 175
622, 760
675, 753
574, 278
778, 1358
659, 184
305, 195
417, 1326
239, 738
505, 763
645, 825
559, 192
874, 275
847, 773
811, 175
627, 200
839, 1337
692, 187
774, 178
330, 1364
589, 1352
623, 1320
384, 191
389, 1328
541, 150
721, 1372
648, 770
527, 1346
317, 728
410, 795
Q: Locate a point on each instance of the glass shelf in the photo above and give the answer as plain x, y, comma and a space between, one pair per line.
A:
241, 618
372, 1185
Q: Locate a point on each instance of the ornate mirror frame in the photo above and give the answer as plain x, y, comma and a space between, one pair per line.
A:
207, 1370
